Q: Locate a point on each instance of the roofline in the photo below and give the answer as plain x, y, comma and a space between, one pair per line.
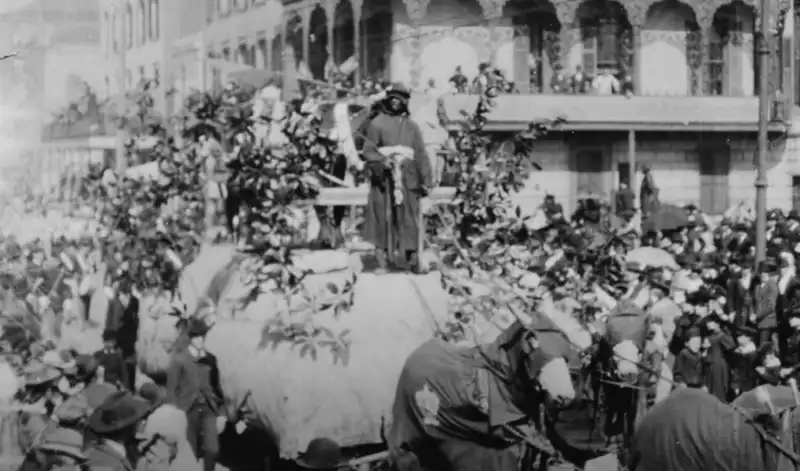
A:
517, 126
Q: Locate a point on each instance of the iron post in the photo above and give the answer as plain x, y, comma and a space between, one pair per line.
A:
762, 154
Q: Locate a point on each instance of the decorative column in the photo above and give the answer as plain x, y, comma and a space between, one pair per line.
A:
788, 52
493, 14
330, 16
306, 18
637, 16
706, 30
266, 41
416, 10
356, 6
637, 71
570, 32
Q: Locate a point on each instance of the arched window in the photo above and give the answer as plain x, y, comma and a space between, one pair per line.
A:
155, 19
141, 33
128, 27
240, 5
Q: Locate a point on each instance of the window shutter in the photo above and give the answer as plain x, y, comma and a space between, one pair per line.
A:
522, 77
787, 80
590, 55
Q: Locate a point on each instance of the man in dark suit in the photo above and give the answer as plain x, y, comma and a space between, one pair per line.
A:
112, 362
193, 386
788, 292
123, 321
740, 294
765, 298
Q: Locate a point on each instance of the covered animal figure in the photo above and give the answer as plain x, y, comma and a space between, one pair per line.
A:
692, 430
465, 408
616, 367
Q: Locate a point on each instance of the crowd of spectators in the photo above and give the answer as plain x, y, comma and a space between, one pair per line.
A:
607, 81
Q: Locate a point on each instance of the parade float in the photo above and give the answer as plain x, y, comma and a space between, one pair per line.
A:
310, 342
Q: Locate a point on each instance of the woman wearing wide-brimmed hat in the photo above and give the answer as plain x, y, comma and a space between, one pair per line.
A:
86, 395
114, 424
40, 398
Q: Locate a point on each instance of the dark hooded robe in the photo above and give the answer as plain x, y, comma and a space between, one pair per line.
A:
389, 129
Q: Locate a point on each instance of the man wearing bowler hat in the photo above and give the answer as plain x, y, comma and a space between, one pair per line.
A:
193, 386
322, 454
393, 218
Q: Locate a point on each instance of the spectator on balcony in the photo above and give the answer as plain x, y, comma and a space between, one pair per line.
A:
627, 85
580, 81
483, 80
606, 83
497, 78
559, 83
459, 81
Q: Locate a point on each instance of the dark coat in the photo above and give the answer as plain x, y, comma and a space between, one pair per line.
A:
625, 203
740, 301
124, 322
717, 370
783, 307
417, 179
743, 371
765, 298
113, 362
682, 326
192, 381
688, 368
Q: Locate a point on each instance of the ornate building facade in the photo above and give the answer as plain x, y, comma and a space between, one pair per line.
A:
692, 66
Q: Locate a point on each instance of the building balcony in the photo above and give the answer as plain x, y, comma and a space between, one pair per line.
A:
513, 112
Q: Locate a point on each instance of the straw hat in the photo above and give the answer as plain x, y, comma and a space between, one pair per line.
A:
63, 361
37, 374
65, 441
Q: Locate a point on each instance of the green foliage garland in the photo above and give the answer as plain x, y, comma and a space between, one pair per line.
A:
491, 236
273, 181
154, 222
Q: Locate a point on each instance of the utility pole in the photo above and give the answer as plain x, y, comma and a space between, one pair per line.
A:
762, 156
121, 158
